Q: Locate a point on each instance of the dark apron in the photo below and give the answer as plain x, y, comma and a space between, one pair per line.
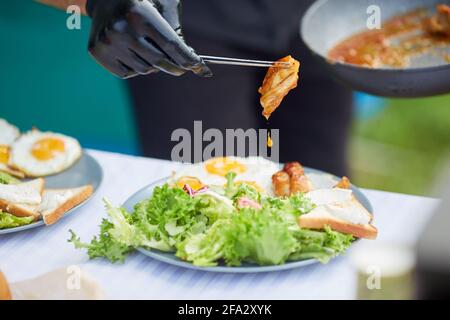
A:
313, 119
263, 25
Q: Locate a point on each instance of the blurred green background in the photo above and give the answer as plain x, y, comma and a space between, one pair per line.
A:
403, 147
49, 81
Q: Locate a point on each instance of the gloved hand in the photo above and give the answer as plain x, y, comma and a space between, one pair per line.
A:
132, 37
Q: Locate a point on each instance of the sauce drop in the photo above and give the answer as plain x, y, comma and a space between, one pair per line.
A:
269, 140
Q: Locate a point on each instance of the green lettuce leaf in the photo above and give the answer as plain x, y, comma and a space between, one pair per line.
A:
204, 249
160, 222
252, 235
206, 230
117, 236
214, 210
169, 216
6, 178
320, 245
258, 236
235, 191
105, 246
9, 221
230, 185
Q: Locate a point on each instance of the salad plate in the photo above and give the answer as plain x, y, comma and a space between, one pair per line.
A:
170, 258
86, 171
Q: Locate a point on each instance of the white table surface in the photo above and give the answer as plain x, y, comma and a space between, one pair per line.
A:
399, 219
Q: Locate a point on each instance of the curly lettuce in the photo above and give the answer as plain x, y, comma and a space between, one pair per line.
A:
206, 230
6, 178
160, 222
320, 245
10, 221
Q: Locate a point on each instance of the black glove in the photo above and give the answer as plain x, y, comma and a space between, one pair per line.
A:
132, 37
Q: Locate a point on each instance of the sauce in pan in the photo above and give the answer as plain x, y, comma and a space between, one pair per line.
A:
400, 38
447, 57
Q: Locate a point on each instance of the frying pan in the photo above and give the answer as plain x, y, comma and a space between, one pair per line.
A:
328, 22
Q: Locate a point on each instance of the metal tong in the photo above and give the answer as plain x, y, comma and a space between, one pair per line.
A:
244, 62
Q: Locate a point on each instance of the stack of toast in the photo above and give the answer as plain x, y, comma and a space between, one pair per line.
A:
31, 199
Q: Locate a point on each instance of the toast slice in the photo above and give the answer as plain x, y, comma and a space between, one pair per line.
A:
56, 202
341, 211
53, 286
11, 171
23, 210
5, 293
329, 196
27, 193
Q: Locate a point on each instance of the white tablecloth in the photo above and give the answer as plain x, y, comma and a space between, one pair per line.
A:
399, 218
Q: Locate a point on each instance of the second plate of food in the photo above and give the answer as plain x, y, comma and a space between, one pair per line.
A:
43, 177
87, 171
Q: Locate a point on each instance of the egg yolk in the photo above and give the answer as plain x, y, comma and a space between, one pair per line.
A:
4, 154
47, 148
192, 182
221, 166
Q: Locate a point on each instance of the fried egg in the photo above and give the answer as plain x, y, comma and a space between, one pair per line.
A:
8, 134
40, 154
254, 171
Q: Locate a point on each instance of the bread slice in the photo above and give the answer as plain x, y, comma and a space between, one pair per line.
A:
329, 196
56, 202
3, 205
38, 288
5, 293
11, 171
23, 210
321, 217
27, 193
341, 211
20, 207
